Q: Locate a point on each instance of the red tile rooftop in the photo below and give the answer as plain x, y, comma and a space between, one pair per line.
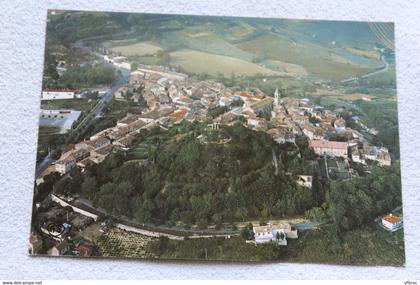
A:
328, 144
392, 219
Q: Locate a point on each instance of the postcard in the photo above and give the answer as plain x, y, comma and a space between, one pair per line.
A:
204, 138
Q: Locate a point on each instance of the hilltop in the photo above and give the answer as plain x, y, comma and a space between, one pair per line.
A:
197, 175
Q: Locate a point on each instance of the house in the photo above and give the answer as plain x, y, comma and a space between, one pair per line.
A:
60, 249
93, 144
118, 133
369, 151
84, 163
99, 155
340, 125
69, 159
356, 155
228, 118
308, 130
125, 141
282, 135
257, 122
383, 157
225, 101
274, 232
331, 148
304, 180
64, 165
265, 234
318, 133
127, 120
102, 134
392, 222
135, 126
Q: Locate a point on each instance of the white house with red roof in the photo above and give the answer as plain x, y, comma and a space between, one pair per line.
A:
392, 222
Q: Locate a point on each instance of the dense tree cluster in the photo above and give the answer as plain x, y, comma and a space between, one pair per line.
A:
184, 179
88, 75
360, 200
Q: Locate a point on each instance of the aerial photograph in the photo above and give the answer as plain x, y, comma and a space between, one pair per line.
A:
202, 138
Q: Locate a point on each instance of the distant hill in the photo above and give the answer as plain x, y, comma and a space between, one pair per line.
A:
329, 50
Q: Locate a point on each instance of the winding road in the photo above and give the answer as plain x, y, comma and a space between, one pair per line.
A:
380, 70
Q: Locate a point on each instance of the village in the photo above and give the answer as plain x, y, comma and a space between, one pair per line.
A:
173, 98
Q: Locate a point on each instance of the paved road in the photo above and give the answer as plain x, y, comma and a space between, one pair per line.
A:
125, 75
382, 69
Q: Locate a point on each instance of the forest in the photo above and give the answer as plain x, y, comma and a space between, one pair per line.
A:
171, 176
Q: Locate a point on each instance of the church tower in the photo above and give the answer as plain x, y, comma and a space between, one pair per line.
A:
277, 97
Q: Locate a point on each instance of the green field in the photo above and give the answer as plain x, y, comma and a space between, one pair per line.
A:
139, 49
316, 59
201, 62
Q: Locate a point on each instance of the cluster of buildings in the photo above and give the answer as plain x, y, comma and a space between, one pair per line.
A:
172, 99
73, 234
100, 145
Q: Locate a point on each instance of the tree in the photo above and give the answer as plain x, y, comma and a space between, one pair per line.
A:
247, 232
202, 224
134, 66
217, 219
89, 186
64, 187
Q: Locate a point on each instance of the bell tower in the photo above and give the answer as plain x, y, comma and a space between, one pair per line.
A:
277, 97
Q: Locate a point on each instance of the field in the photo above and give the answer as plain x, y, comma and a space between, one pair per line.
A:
201, 62
369, 54
315, 59
119, 243
47, 130
339, 95
289, 68
74, 104
139, 49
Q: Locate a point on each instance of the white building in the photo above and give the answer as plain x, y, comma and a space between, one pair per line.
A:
276, 233
392, 222
277, 97
57, 94
265, 234
69, 159
304, 180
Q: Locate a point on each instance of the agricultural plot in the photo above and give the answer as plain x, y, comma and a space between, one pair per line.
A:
137, 49
315, 59
201, 62
117, 242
